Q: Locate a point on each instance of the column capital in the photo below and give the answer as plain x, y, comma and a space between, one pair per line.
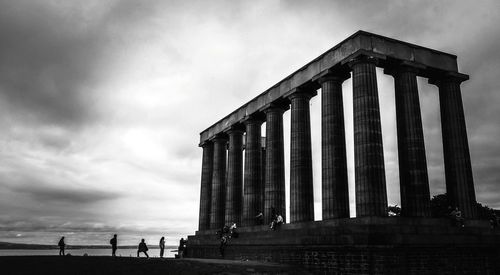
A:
448, 77
362, 56
301, 93
254, 118
220, 137
276, 107
403, 67
235, 129
205, 143
330, 75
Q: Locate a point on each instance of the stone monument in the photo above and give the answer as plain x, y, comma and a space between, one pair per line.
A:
371, 242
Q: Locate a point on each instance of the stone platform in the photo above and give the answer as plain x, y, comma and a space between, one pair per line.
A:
391, 245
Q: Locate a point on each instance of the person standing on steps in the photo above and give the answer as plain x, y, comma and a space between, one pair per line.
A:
456, 216
223, 243
182, 246
259, 219
232, 231
143, 248
162, 246
114, 245
61, 245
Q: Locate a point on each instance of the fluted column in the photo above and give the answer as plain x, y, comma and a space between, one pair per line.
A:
457, 163
275, 168
413, 178
234, 191
301, 178
262, 174
335, 190
218, 183
252, 188
206, 185
371, 194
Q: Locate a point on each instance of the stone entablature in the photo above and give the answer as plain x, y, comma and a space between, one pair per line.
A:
387, 50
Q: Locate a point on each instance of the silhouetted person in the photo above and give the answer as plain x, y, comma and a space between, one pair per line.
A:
182, 246
143, 248
259, 219
277, 222
162, 246
114, 245
61, 245
223, 242
456, 215
232, 231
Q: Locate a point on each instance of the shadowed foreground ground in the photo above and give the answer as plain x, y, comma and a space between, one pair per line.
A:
125, 265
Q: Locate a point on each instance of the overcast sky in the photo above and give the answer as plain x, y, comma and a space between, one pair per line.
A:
102, 102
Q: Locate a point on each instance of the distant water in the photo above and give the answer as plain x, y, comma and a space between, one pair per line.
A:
153, 252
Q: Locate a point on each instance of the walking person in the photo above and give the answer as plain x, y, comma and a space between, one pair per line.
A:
143, 248
114, 245
61, 245
162, 246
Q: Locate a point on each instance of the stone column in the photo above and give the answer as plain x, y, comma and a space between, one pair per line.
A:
234, 191
371, 194
413, 178
335, 190
275, 168
252, 188
457, 164
262, 174
218, 183
206, 185
301, 178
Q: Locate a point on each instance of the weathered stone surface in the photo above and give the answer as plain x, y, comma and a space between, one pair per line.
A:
335, 189
360, 41
301, 178
218, 183
274, 194
234, 191
414, 181
206, 185
252, 187
371, 194
370, 245
457, 164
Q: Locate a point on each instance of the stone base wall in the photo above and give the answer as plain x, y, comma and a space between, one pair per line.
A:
391, 246
368, 260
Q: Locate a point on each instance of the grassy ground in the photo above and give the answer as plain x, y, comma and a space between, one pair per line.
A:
13, 265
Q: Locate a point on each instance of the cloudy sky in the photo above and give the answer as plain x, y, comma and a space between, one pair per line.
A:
102, 102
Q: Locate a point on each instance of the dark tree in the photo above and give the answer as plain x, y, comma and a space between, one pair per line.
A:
440, 207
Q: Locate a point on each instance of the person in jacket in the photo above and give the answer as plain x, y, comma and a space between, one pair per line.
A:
143, 248
61, 245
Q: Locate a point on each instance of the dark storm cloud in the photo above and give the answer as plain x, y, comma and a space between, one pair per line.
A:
54, 54
41, 190
68, 196
47, 62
